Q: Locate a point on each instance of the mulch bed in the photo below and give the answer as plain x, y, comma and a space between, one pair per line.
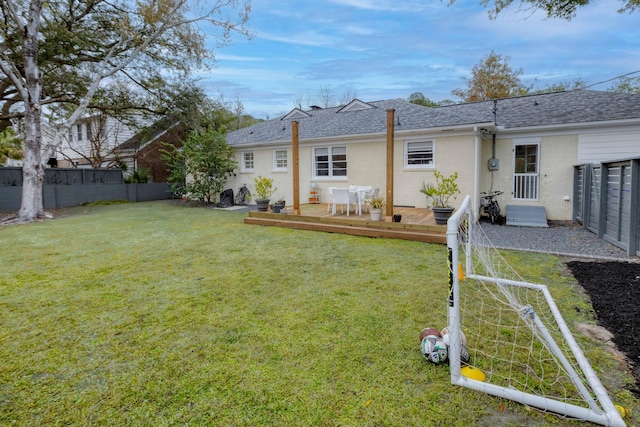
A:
614, 290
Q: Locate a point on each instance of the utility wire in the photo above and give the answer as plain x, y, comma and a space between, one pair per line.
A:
496, 106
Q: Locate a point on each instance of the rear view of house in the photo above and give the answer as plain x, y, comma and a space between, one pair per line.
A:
526, 147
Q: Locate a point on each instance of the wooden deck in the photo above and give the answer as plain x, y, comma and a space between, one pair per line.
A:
416, 224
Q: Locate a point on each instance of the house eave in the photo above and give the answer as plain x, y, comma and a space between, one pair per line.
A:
567, 127
466, 129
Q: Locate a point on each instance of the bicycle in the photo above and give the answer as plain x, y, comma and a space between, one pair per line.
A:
491, 206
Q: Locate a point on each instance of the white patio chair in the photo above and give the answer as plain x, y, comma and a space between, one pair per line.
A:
370, 195
330, 204
364, 192
342, 196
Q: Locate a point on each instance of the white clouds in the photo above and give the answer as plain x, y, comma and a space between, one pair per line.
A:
387, 49
305, 38
224, 57
386, 5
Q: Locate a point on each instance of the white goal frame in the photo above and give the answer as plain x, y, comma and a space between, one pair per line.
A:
598, 407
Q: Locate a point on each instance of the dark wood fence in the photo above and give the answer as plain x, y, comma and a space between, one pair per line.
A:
72, 187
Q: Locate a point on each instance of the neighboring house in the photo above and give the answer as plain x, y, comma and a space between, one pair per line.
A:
103, 142
525, 146
143, 150
92, 141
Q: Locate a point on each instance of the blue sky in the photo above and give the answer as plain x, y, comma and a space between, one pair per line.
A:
381, 49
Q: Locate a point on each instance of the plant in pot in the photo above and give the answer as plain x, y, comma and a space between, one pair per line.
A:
280, 204
264, 190
376, 204
441, 194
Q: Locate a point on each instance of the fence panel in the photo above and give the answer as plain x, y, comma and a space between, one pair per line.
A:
579, 199
594, 197
12, 176
73, 187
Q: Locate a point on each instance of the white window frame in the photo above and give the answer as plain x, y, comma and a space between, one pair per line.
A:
280, 163
248, 164
407, 152
332, 151
79, 132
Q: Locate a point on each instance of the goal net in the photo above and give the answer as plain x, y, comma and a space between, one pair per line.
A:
512, 338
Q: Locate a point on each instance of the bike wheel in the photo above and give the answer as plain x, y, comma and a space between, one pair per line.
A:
493, 213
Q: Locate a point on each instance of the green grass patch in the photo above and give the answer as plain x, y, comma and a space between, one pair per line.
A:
151, 314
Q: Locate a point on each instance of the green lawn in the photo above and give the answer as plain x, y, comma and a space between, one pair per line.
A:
152, 314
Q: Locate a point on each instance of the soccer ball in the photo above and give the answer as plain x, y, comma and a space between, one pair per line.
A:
429, 331
434, 349
465, 357
446, 336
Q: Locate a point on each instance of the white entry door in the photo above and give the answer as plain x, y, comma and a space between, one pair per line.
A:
526, 177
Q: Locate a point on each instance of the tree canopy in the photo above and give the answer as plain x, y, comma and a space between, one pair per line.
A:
492, 78
626, 84
418, 98
10, 145
64, 57
206, 158
562, 9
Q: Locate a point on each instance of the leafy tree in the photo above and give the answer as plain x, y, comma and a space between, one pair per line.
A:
74, 53
627, 84
10, 146
208, 161
419, 99
563, 9
562, 87
492, 78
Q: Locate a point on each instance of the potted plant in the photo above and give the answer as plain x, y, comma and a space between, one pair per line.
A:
440, 194
376, 204
264, 190
280, 204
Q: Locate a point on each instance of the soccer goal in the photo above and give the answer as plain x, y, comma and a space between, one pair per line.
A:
514, 334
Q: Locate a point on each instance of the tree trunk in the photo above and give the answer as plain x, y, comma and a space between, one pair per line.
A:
32, 206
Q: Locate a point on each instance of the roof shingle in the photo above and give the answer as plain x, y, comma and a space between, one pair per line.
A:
581, 106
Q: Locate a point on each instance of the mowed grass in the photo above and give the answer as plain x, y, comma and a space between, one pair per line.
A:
152, 314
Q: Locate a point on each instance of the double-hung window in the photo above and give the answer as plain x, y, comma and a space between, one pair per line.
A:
330, 162
280, 160
418, 154
247, 161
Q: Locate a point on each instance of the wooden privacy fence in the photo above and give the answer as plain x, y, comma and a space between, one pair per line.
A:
606, 202
72, 187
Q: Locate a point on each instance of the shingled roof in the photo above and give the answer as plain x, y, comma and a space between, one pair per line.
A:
559, 108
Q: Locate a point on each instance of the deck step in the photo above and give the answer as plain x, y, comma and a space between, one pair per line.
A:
528, 216
368, 229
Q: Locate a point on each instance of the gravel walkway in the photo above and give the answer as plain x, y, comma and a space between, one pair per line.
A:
572, 241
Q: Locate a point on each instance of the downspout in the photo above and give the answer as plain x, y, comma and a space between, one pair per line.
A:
493, 156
